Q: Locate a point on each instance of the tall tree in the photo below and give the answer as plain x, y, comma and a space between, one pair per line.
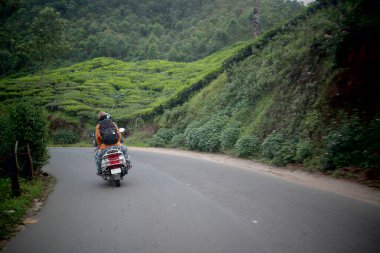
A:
47, 36
6, 61
255, 18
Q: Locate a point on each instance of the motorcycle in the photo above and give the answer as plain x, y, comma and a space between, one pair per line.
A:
114, 165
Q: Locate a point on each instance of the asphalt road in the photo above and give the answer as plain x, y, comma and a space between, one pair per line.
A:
178, 204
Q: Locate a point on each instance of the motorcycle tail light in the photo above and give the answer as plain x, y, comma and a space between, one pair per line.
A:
113, 159
113, 156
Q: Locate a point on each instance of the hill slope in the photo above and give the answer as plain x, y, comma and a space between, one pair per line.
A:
127, 89
308, 93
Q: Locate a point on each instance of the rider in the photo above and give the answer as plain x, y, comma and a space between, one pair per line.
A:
107, 136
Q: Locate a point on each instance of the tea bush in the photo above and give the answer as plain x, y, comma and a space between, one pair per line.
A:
163, 137
285, 154
178, 140
247, 146
229, 136
206, 137
191, 136
272, 145
304, 149
157, 142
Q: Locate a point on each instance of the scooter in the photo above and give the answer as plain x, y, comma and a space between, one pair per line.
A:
114, 165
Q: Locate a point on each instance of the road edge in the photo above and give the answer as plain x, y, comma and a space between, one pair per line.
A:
313, 180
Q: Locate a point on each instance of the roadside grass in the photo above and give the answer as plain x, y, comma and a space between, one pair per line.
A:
136, 141
14, 209
81, 144
132, 141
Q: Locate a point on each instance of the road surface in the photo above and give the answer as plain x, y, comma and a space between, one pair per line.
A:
179, 204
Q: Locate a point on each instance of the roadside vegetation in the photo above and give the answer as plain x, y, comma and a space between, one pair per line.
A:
22, 125
13, 210
298, 98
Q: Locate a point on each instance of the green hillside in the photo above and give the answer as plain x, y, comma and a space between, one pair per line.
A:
126, 89
307, 93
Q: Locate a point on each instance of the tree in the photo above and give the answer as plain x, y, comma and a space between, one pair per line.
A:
47, 36
6, 61
152, 46
152, 51
255, 18
111, 44
232, 29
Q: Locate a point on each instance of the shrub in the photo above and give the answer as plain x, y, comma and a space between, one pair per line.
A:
178, 140
229, 136
285, 155
279, 151
157, 142
304, 149
5, 133
352, 143
7, 140
163, 137
247, 146
371, 145
206, 137
64, 136
29, 125
192, 138
272, 145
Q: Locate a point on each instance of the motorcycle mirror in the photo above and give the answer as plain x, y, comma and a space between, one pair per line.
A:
122, 129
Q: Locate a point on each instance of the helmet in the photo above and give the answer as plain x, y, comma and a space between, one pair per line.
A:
103, 115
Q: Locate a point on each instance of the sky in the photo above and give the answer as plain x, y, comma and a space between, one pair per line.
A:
306, 1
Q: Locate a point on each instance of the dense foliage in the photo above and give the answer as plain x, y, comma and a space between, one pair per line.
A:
176, 30
305, 93
65, 136
27, 124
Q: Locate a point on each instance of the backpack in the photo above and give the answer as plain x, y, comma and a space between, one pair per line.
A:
108, 132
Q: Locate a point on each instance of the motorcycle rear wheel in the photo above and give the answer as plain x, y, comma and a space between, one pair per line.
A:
117, 183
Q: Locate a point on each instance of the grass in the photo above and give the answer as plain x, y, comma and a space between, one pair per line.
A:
12, 209
133, 141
